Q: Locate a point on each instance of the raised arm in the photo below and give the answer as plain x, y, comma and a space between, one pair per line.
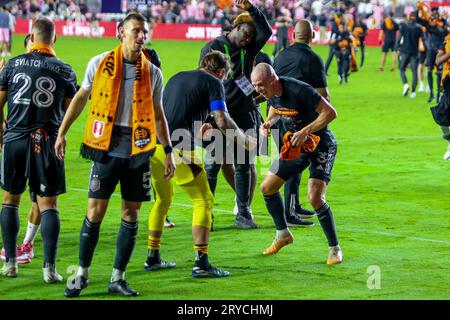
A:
262, 26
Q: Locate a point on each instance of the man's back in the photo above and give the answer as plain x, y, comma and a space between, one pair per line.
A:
299, 61
37, 86
187, 98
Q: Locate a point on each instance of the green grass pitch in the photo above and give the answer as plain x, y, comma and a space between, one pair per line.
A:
389, 194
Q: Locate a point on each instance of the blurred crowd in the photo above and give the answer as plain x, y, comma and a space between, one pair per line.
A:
212, 11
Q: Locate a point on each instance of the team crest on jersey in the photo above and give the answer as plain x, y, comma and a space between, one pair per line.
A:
141, 137
97, 128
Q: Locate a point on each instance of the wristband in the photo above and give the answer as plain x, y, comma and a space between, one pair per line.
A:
168, 149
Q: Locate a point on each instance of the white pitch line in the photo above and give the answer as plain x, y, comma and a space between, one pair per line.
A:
382, 233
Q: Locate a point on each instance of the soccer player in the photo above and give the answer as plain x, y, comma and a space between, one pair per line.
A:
124, 120
189, 97
389, 30
249, 34
310, 113
435, 35
25, 251
360, 31
282, 23
410, 33
343, 42
299, 61
441, 112
334, 25
38, 87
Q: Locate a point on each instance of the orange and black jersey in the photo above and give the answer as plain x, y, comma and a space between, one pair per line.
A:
190, 96
390, 28
297, 104
300, 62
37, 85
360, 31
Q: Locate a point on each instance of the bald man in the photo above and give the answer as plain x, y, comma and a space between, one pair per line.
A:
299, 61
306, 112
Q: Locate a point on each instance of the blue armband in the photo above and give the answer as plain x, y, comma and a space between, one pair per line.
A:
218, 105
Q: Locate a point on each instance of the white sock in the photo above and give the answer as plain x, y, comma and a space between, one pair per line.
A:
282, 233
117, 275
31, 232
82, 271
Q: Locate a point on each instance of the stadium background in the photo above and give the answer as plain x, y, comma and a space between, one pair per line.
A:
389, 192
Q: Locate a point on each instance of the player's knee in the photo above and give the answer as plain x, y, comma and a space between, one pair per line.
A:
267, 188
316, 199
202, 212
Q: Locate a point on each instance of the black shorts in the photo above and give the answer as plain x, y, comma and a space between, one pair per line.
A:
388, 45
431, 58
320, 164
422, 57
135, 183
32, 159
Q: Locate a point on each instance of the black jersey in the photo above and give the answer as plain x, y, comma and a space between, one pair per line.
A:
409, 38
304, 99
237, 101
299, 61
37, 86
190, 96
435, 34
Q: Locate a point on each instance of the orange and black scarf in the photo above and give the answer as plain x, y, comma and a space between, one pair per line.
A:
42, 48
446, 71
289, 152
104, 102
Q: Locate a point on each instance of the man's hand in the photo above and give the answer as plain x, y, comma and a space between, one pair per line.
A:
250, 143
60, 147
298, 138
169, 165
243, 4
2, 63
264, 129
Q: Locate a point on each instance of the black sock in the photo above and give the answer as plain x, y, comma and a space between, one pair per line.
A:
126, 239
430, 81
201, 260
88, 241
9, 221
291, 194
274, 204
50, 227
242, 184
326, 220
153, 257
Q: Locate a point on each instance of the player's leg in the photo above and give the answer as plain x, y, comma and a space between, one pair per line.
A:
202, 204
363, 53
322, 161
136, 188
431, 59
50, 229
414, 61
13, 180
103, 179
404, 61
163, 199
384, 52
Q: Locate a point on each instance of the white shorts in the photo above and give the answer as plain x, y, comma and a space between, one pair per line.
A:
4, 34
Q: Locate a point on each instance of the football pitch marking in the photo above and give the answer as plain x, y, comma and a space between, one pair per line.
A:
382, 233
